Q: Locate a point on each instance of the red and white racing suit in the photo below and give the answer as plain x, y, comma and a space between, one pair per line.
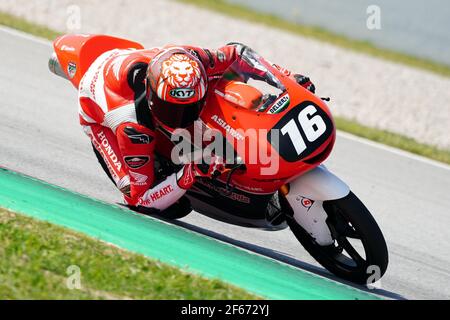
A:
108, 110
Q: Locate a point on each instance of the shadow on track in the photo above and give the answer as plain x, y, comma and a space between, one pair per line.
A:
279, 256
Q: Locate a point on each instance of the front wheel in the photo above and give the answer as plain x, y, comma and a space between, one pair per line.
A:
359, 250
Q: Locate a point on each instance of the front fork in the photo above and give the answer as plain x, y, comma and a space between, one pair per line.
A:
306, 195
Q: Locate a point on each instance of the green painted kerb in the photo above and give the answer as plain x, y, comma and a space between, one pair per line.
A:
168, 243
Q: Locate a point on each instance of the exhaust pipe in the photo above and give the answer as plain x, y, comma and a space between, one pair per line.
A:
55, 67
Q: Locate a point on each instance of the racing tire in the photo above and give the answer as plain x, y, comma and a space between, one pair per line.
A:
348, 218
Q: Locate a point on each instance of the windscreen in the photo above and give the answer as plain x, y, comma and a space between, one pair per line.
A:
249, 83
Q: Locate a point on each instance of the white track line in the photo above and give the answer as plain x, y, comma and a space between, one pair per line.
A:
24, 35
342, 134
396, 151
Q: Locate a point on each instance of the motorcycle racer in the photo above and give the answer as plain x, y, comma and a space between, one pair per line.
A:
127, 94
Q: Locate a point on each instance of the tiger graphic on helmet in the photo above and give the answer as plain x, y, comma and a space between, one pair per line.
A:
180, 71
176, 76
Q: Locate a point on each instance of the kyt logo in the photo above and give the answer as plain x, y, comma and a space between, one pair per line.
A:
182, 93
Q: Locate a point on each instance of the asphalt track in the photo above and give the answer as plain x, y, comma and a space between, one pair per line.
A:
408, 195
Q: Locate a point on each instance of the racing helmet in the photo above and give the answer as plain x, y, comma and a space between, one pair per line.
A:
176, 88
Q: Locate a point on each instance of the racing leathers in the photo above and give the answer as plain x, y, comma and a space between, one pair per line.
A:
113, 113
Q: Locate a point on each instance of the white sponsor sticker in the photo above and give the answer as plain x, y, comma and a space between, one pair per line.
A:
279, 105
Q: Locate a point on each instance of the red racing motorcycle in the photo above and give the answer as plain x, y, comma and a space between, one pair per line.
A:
276, 134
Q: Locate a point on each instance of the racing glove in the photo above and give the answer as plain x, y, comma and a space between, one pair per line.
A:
305, 82
213, 169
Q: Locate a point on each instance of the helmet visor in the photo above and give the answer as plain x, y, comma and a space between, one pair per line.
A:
175, 115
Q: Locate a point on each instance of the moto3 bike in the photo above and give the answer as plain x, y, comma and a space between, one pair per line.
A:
257, 106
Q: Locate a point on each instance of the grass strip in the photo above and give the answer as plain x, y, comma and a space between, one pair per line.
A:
35, 257
393, 139
21, 24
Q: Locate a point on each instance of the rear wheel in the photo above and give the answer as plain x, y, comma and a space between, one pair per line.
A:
359, 250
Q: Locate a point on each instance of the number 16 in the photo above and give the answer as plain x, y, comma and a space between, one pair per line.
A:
313, 127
